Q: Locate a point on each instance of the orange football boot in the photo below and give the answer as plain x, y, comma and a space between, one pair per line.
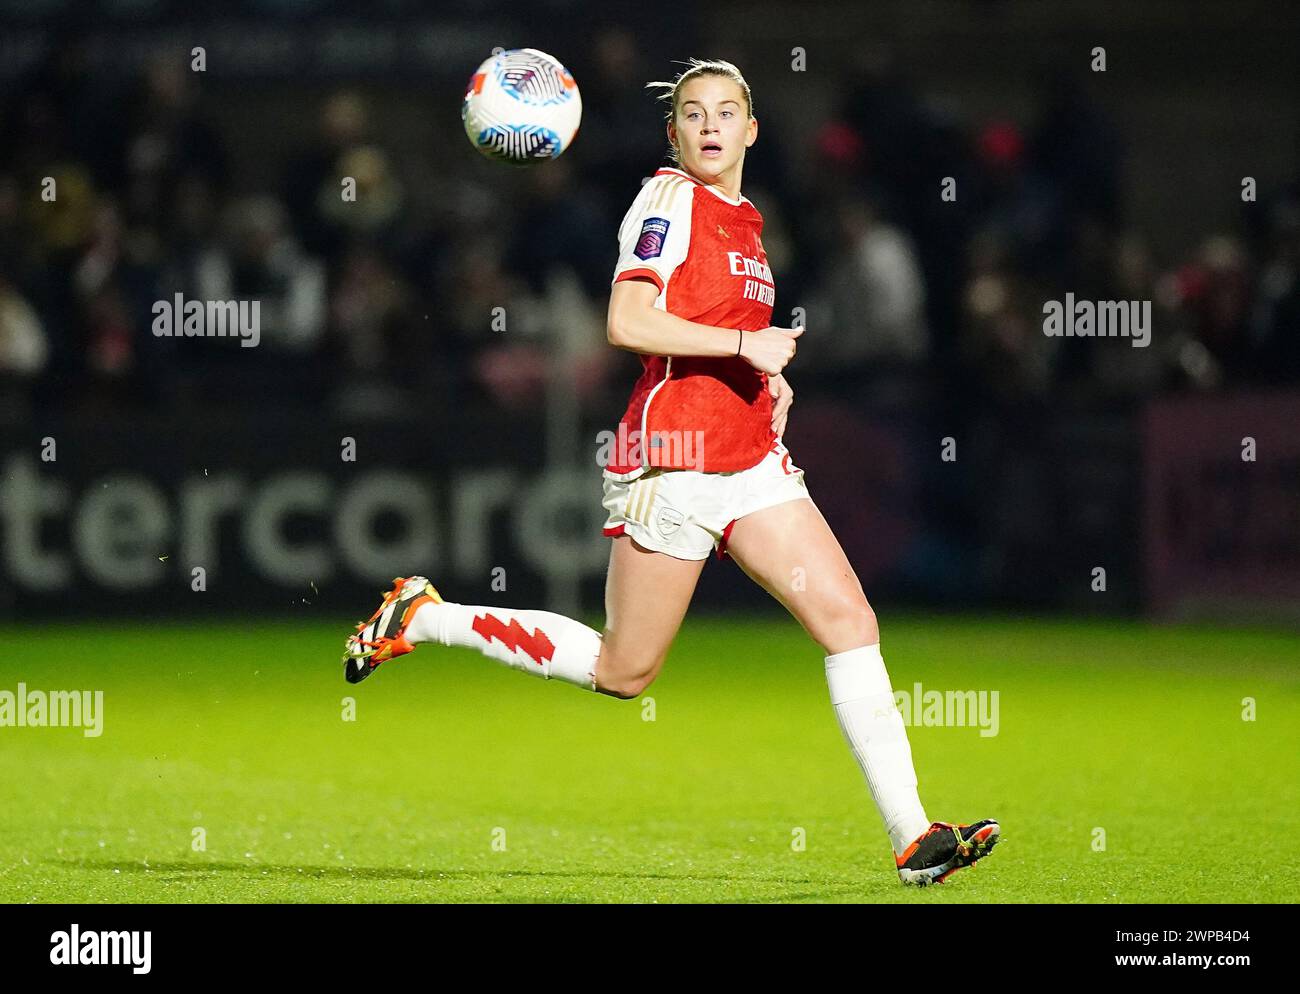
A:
383, 637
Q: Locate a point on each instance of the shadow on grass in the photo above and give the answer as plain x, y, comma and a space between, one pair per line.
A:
319, 872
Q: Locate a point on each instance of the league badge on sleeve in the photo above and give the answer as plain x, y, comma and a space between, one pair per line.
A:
651, 243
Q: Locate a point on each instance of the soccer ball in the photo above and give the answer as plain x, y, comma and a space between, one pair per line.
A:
521, 106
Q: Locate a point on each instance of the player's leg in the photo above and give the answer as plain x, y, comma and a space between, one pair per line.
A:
646, 596
655, 560
543, 643
790, 551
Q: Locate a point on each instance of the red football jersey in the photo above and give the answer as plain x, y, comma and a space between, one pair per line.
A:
704, 252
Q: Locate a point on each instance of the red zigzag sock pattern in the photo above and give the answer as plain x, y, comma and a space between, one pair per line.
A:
514, 637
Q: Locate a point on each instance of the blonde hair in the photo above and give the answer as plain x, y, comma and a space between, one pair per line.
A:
671, 91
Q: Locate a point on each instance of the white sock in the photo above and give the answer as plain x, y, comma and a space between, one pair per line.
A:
540, 642
868, 716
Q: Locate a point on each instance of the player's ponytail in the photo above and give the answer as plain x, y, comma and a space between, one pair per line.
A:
670, 91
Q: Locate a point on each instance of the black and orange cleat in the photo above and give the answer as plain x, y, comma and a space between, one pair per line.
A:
943, 849
383, 637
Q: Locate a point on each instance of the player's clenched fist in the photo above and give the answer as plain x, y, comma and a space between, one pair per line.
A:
769, 350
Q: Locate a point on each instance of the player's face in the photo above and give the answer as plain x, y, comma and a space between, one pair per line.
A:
712, 127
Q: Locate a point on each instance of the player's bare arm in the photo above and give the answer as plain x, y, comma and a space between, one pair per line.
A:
635, 324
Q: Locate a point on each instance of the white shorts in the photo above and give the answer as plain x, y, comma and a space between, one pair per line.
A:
686, 513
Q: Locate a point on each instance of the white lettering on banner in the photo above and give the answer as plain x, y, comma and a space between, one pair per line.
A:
131, 533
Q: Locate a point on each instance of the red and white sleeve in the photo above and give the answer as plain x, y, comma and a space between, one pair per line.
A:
655, 235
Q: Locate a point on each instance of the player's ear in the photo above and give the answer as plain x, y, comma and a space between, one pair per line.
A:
753, 132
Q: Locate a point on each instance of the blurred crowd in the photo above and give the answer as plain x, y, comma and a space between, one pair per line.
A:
449, 281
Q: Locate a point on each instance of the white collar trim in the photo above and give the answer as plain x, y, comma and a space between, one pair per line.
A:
712, 189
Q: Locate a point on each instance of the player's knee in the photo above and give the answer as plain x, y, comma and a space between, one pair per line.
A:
629, 688
871, 627
626, 678
851, 623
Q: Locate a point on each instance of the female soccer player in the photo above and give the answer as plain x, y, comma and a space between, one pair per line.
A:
699, 465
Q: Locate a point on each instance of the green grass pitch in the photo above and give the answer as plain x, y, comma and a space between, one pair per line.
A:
460, 780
